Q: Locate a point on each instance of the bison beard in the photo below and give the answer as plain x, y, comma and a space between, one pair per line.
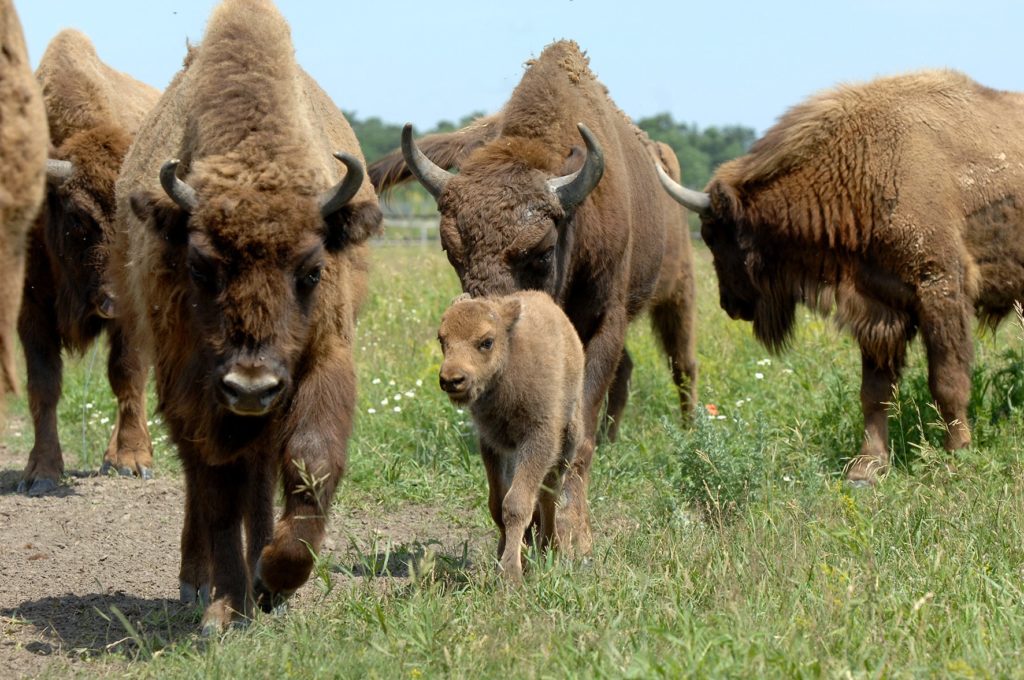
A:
246, 270
532, 209
892, 204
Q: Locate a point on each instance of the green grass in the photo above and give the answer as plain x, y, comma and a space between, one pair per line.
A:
730, 548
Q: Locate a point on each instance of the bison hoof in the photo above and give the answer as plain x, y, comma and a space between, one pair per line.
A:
189, 594
39, 487
145, 473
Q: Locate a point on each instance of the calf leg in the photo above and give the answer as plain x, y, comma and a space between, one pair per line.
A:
259, 511
673, 322
130, 450
876, 388
536, 457
497, 488
11, 279
37, 327
618, 395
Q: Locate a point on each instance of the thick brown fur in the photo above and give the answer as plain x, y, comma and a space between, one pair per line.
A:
23, 143
897, 204
254, 280
624, 249
93, 111
517, 362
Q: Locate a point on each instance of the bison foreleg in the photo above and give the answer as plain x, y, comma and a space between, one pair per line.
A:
876, 388
536, 458
37, 327
618, 395
130, 450
321, 422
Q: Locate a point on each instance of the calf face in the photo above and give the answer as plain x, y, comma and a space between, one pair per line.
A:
474, 337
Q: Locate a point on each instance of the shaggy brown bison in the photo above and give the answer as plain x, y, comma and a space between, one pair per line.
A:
23, 159
899, 204
246, 261
517, 363
93, 111
530, 209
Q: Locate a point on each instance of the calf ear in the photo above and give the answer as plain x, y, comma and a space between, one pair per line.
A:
461, 297
510, 311
162, 215
352, 224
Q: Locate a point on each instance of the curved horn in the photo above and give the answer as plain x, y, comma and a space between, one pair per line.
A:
432, 176
697, 201
335, 198
573, 189
58, 172
179, 191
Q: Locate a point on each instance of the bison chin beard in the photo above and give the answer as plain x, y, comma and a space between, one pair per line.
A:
774, 318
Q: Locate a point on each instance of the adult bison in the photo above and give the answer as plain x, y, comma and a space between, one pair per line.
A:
899, 204
93, 111
245, 262
23, 158
530, 209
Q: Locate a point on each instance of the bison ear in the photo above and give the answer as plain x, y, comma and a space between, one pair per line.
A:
352, 224
461, 297
162, 215
510, 310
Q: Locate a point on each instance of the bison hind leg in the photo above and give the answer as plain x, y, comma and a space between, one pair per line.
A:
618, 396
673, 321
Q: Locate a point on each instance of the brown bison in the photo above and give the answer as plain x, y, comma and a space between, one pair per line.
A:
899, 204
93, 111
530, 209
517, 363
245, 262
23, 159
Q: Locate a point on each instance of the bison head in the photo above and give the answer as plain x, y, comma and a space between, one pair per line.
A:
747, 289
253, 259
474, 337
80, 212
507, 224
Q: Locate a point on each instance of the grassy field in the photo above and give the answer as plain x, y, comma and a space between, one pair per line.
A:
730, 548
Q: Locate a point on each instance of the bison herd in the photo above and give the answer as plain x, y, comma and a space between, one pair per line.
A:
218, 233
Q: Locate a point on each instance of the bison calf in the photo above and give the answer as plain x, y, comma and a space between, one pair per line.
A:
517, 362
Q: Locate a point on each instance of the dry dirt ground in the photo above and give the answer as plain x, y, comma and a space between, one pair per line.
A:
99, 546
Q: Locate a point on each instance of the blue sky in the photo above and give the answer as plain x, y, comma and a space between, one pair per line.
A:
711, 63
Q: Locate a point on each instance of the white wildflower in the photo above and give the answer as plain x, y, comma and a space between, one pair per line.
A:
759, 376
398, 409
419, 383
719, 417
764, 362
384, 401
104, 420
398, 397
410, 394
375, 381
371, 410
391, 382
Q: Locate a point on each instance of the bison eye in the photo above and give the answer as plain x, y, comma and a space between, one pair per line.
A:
544, 259
486, 344
202, 274
311, 278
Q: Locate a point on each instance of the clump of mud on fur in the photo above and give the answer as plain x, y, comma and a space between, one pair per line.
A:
517, 363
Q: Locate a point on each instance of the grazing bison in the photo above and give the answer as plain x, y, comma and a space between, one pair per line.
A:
899, 204
530, 209
93, 111
245, 262
23, 158
517, 363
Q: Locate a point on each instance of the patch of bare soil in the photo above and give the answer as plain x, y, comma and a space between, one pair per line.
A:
83, 567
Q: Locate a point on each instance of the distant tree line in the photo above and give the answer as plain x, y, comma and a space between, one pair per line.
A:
699, 151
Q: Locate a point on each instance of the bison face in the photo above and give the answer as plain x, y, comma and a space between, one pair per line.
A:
474, 340
507, 217
263, 274
734, 260
80, 215
497, 248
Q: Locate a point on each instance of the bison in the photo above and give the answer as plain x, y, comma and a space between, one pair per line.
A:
531, 209
899, 205
23, 158
241, 250
93, 111
517, 363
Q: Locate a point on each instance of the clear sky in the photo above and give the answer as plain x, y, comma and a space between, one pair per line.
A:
711, 63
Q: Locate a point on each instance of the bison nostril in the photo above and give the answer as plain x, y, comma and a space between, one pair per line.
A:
250, 392
453, 383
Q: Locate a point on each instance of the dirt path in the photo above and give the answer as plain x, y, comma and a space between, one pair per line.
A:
71, 560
